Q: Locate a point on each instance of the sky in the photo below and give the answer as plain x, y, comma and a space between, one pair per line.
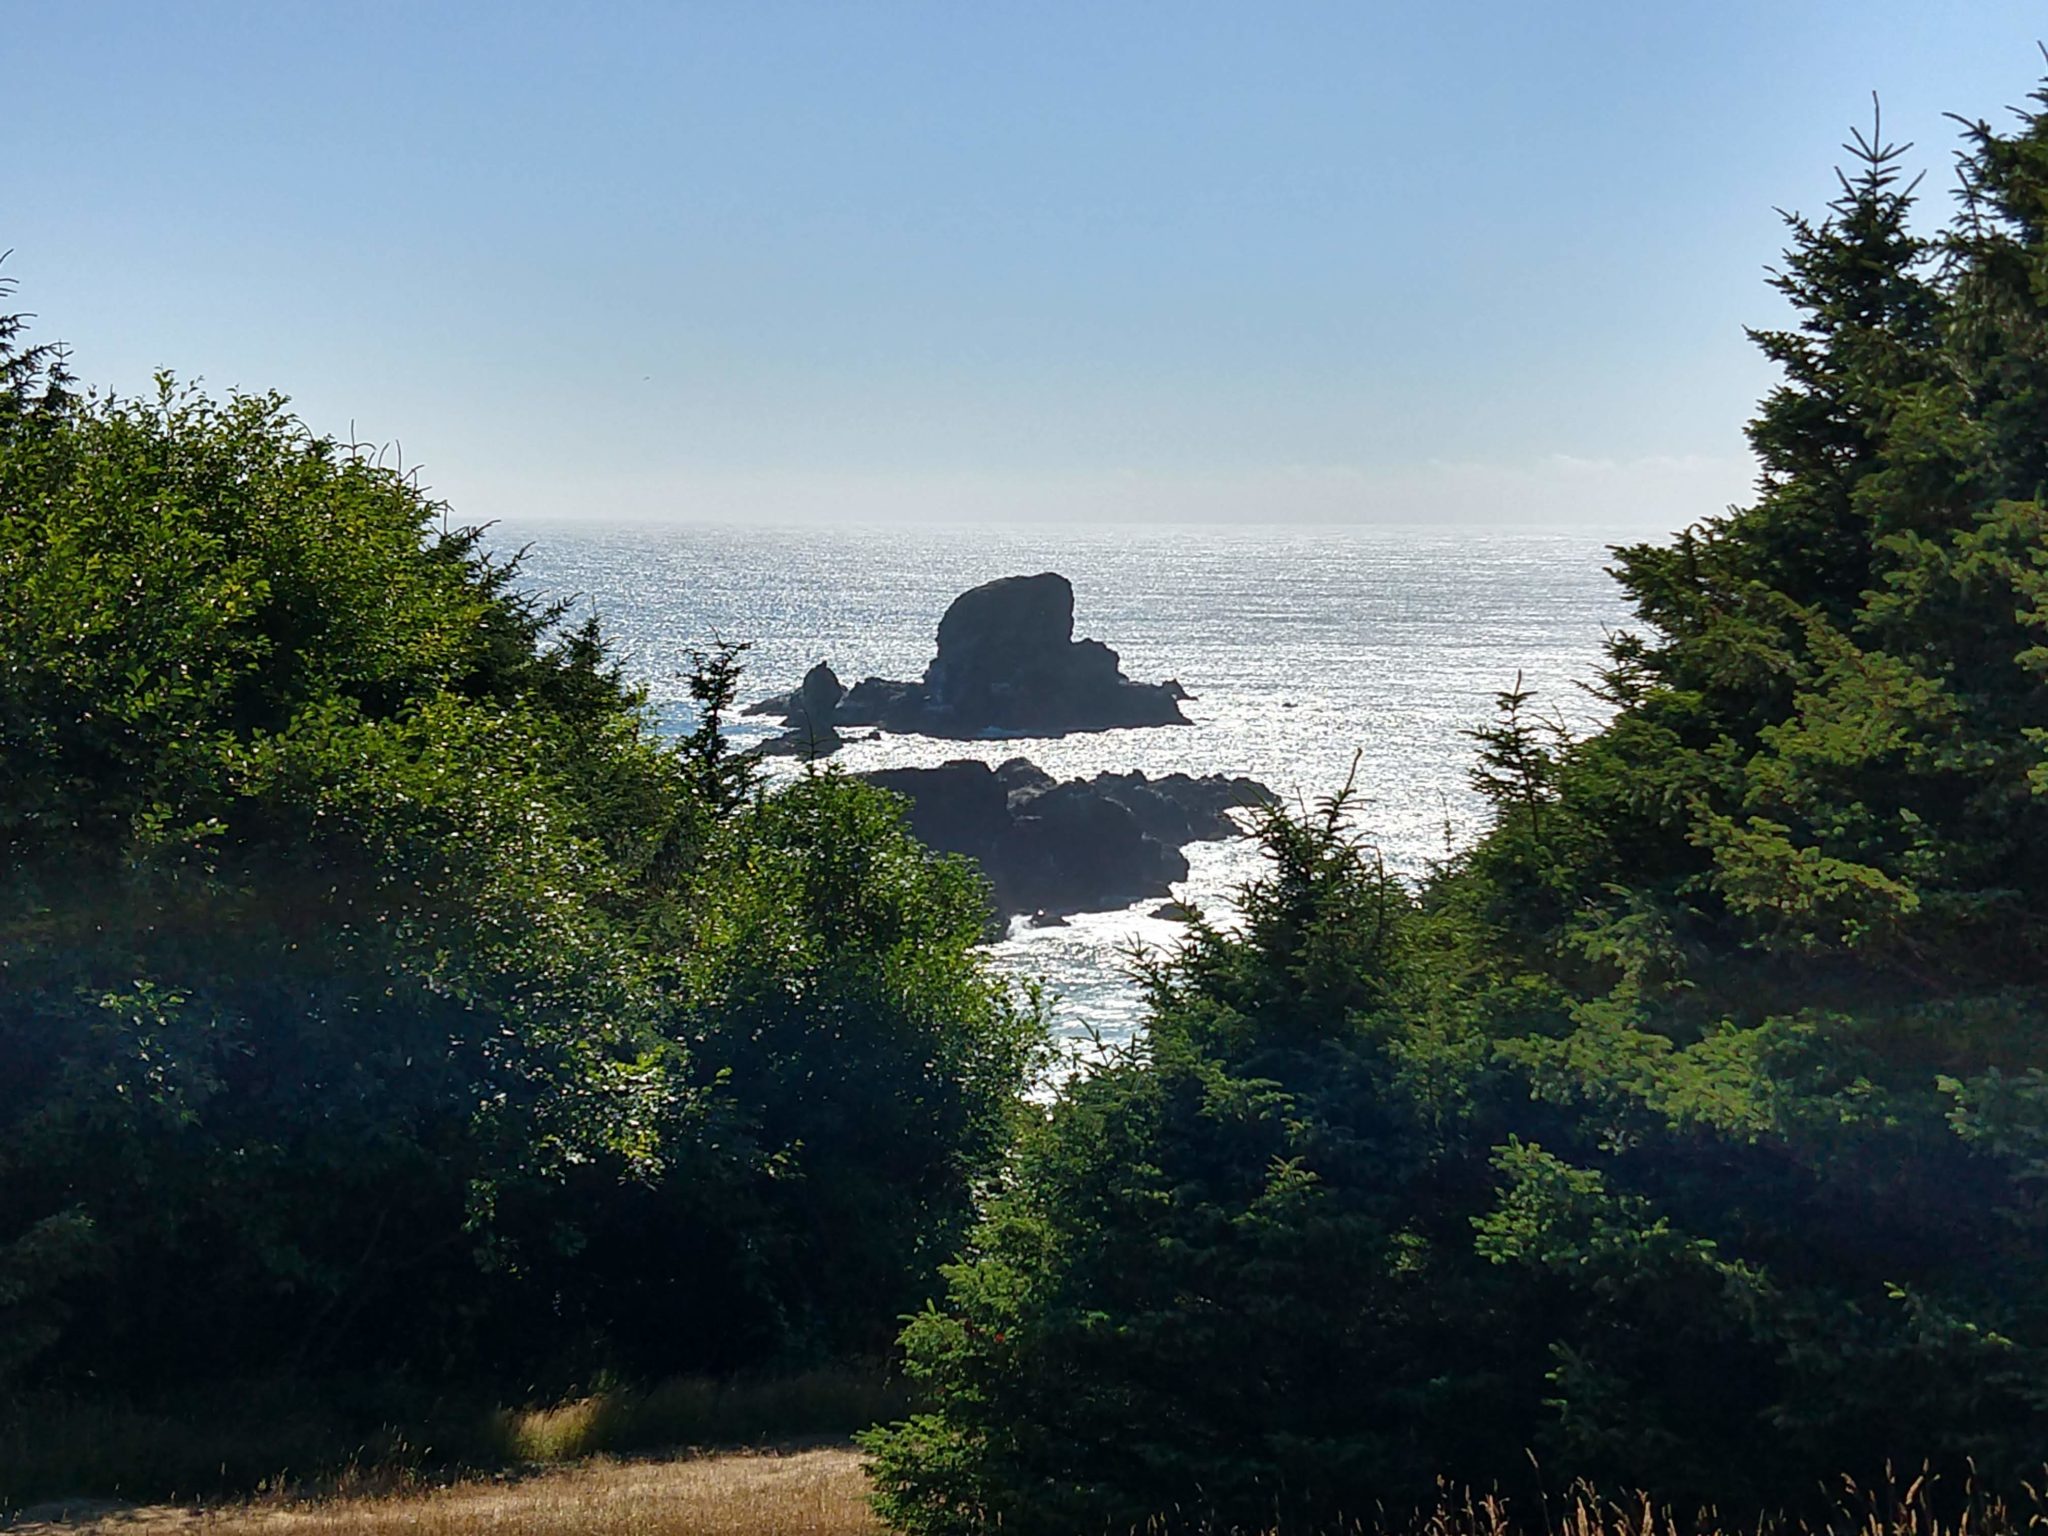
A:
1446, 263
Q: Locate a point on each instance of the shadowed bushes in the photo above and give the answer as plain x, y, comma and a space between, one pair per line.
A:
385, 1000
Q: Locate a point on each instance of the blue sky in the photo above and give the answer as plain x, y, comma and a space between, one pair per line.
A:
1280, 261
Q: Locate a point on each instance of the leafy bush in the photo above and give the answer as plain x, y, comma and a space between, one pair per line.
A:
312, 919
862, 1070
380, 992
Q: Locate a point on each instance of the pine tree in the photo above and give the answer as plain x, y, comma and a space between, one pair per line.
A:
35, 381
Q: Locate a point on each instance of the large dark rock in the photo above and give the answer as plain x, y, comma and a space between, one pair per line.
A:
1181, 809
1084, 845
1070, 849
957, 807
808, 715
819, 695
895, 706
1022, 778
1007, 662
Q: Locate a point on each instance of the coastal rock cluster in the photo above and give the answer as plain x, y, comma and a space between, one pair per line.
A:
1007, 664
1051, 847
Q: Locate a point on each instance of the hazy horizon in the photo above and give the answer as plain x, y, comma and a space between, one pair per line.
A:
1558, 496
915, 263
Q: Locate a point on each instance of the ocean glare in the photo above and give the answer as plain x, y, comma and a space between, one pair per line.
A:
1304, 648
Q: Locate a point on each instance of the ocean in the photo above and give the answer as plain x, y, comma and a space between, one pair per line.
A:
1306, 650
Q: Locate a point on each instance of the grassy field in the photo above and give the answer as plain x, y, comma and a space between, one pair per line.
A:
814, 1492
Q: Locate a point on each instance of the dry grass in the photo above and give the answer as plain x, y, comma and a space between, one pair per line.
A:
819, 1492
1898, 1507
236, 1438
822, 1491
694, 1411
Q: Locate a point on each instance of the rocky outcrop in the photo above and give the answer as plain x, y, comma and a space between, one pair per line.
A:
1084, 845
808, 714
1008, 660
1008, 664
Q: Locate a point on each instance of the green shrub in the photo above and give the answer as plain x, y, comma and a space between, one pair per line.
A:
381, 992
862, 1068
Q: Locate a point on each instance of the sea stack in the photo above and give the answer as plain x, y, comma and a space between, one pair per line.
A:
1007, 665
1008, 660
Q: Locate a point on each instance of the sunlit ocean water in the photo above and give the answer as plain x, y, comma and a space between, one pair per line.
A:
1304, 648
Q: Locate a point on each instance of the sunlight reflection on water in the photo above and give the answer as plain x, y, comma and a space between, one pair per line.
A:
1302, 646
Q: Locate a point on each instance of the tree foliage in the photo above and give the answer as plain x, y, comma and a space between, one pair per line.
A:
369, 960
1687, 1132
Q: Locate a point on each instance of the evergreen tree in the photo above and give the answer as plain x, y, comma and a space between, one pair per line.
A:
1690, 1132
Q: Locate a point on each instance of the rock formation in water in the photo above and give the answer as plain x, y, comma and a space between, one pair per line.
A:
1083, 845
1008, 660
807, 715
1007, 663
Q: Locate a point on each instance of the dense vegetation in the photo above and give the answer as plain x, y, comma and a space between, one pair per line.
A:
1689, 1133
382, 998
